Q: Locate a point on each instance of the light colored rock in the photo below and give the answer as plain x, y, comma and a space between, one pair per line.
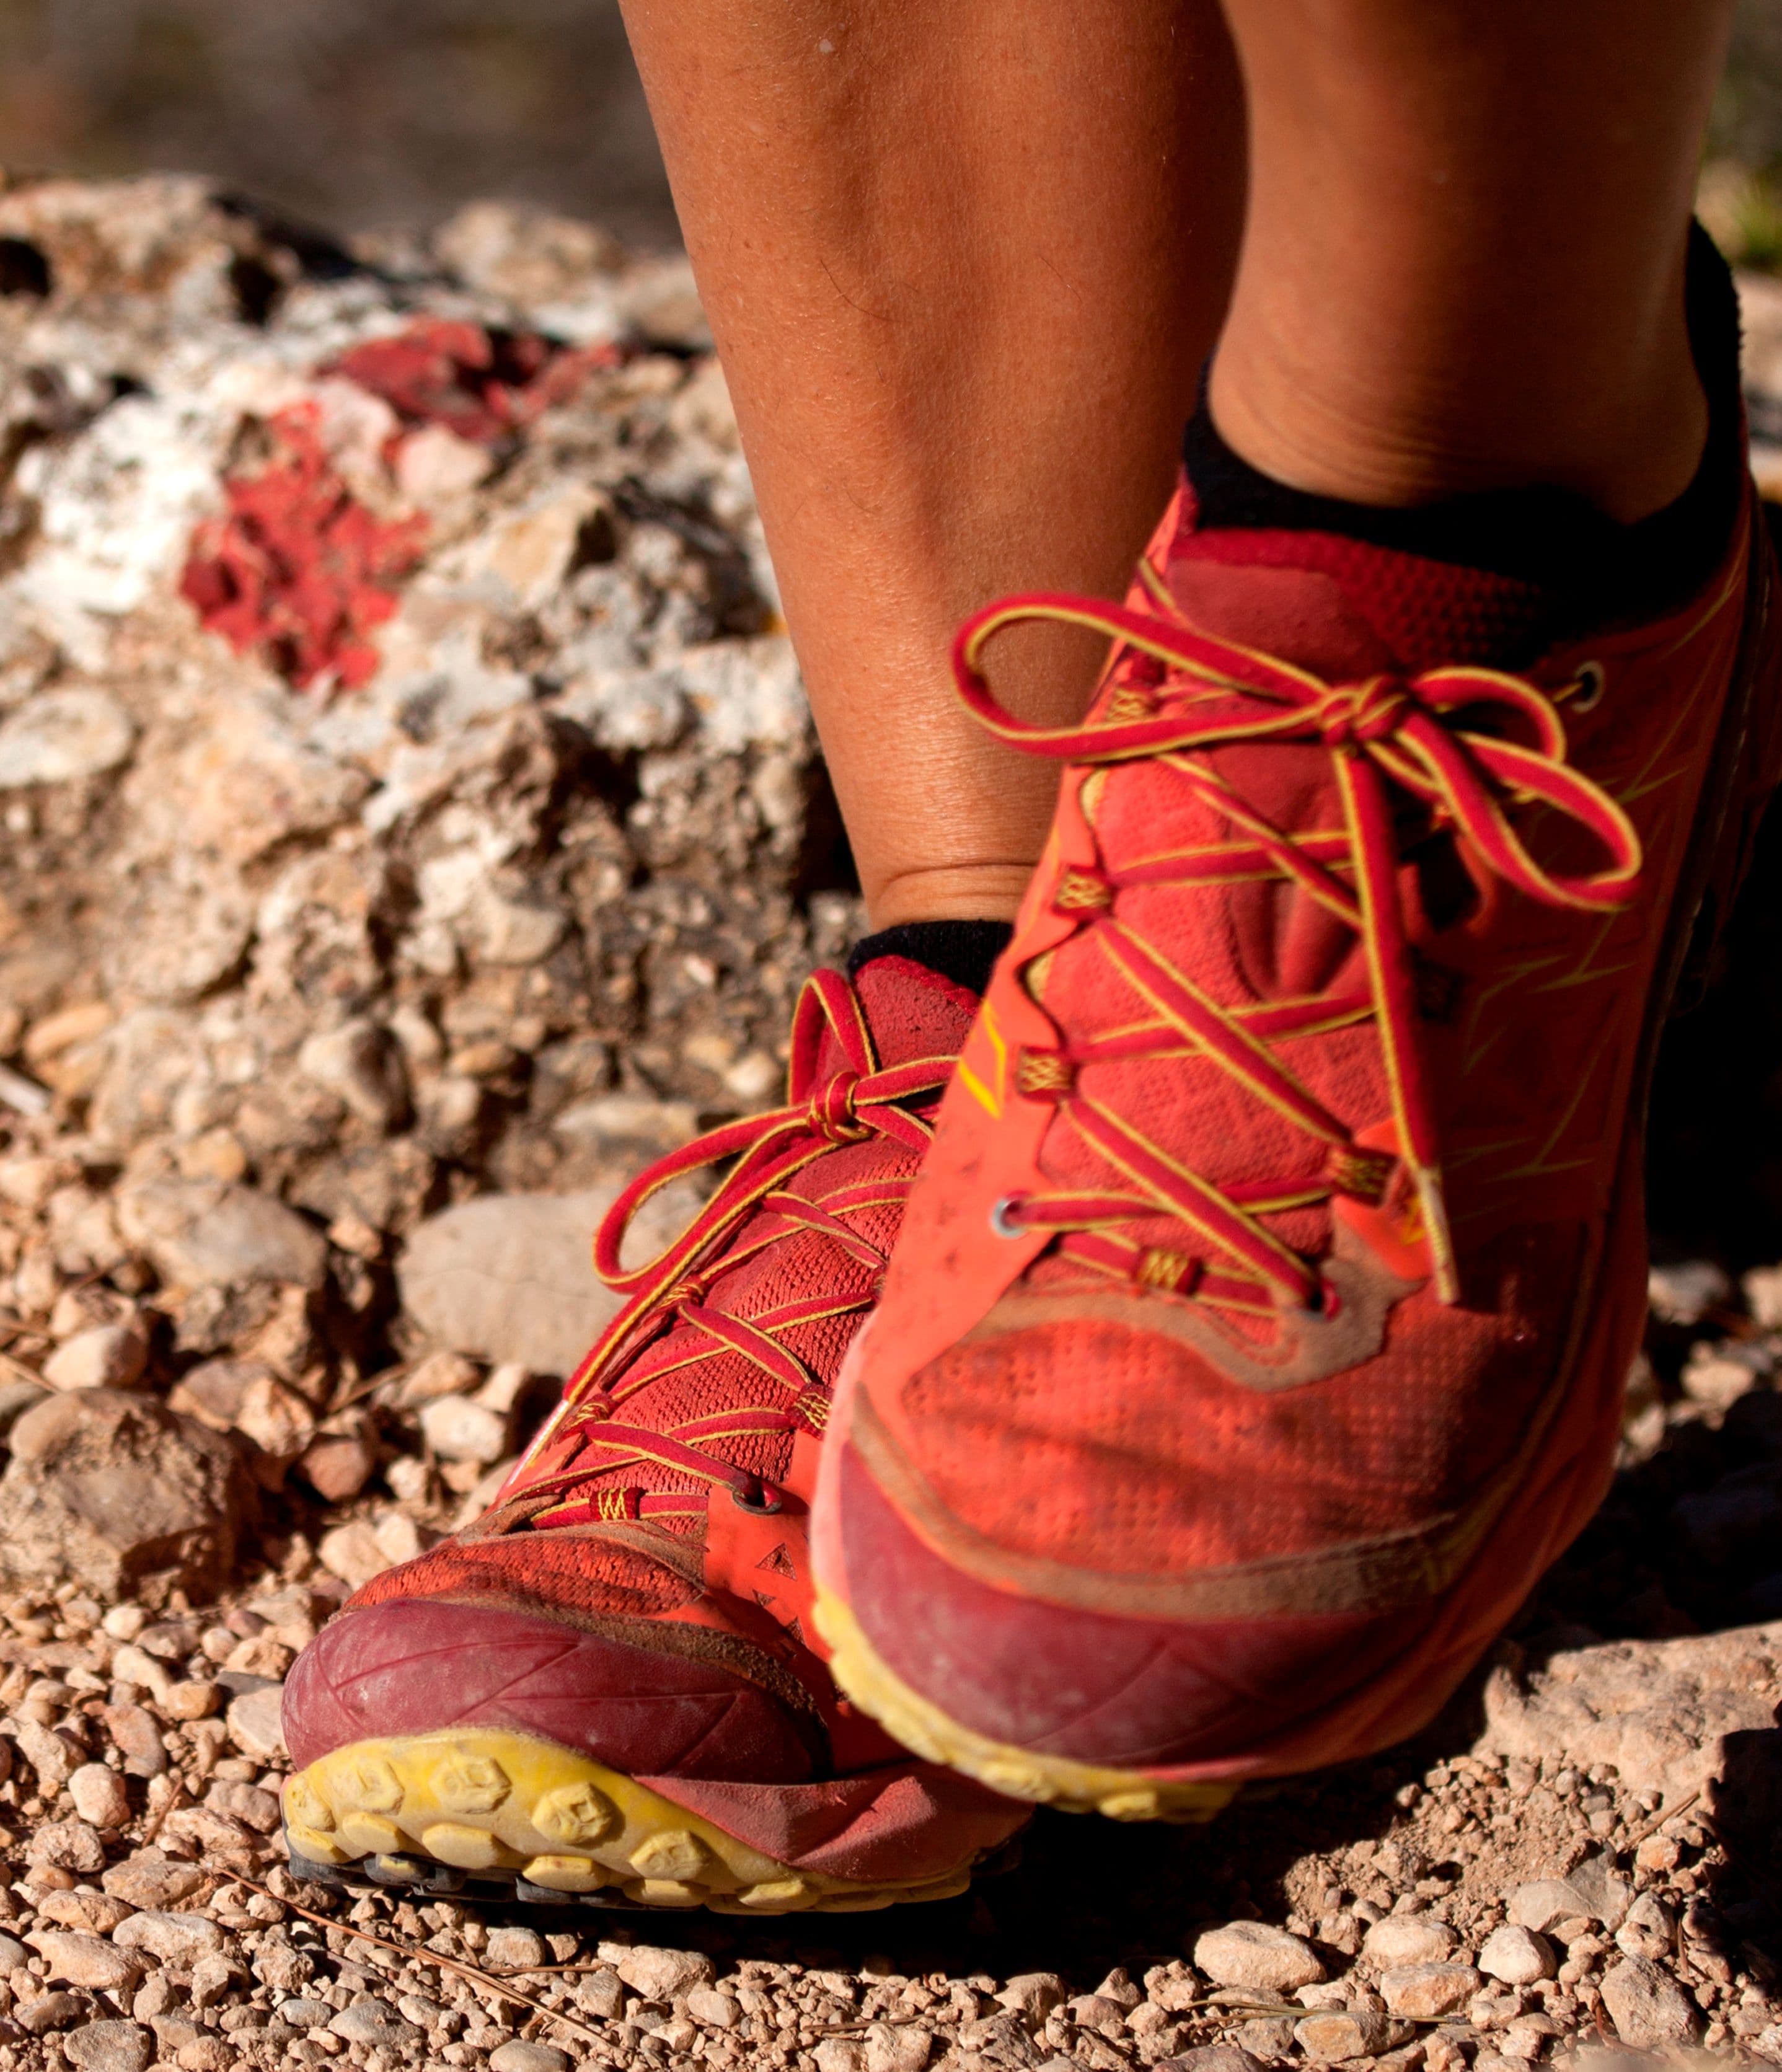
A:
301, 2013
716, 2010
515, 1949
53, 1756
363, 1064
631, 1123
1543, 1903
256, 1723
458, 1430
1232, 2057
16, 1397
375, 2022
509, 1278
1516, 1956
200, 1234
110, 2047
174, 1938
507, 1388
60, 735
137, 1737
521, 2057
1683, 1293
899, 2047
1335, 2034
215, 1390
1252, 1954
1718, 1382
86, 1960
1657, 1711
397, 1535
55, 2011
151, 1879
277, 1418
97, 1913
1648, 2007
194, 1699
1034, 1995
602, 1992
1097, 2010
246, 1803
115, 1493
1649, 1929
110, 1356
439, 1374
100, 1795
1763, 1289
351, 1552
1590, 1890
1424, 1993
664, 1975
13, 1954
435, 467
1408, 1938
510, 931
841, 2053
184, 928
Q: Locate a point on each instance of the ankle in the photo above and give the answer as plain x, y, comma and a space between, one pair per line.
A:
1372, 433
949, 892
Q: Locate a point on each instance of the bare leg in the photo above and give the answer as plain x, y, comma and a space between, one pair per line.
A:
1463, 268
963, 269
963, 266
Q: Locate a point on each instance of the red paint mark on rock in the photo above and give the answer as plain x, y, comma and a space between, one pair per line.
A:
300, 571
485, 385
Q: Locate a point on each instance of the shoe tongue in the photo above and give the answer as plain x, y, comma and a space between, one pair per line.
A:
1343, 607
911, 1011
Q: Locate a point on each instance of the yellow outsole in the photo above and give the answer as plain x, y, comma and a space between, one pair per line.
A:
507, 1806
1018, 1772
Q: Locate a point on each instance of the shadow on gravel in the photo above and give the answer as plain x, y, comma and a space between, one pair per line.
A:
1715, 1161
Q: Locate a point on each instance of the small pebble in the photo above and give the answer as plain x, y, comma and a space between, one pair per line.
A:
100, 1795
1516, 1956
519, 2057
519, 1948
1250, 1953
1422, 1993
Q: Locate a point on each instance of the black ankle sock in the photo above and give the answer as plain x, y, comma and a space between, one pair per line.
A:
962, 951
1595, 572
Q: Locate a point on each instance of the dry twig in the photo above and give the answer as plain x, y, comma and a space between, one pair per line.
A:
488, 1980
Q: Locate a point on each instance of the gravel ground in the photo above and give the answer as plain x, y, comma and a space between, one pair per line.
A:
341, 942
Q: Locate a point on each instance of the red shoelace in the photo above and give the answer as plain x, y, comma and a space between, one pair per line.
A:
591, 1436
1176, 692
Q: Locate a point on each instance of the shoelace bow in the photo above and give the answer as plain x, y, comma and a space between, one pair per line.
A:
591, 1435
1173, 693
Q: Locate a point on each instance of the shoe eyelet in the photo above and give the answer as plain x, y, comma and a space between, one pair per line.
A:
1326, 1304
759, 1500
1002, 1217
1593, 679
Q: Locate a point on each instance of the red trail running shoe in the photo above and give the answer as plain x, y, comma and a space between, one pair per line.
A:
607, 1685
1258, 1331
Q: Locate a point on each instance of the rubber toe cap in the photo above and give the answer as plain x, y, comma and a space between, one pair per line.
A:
417, 1666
